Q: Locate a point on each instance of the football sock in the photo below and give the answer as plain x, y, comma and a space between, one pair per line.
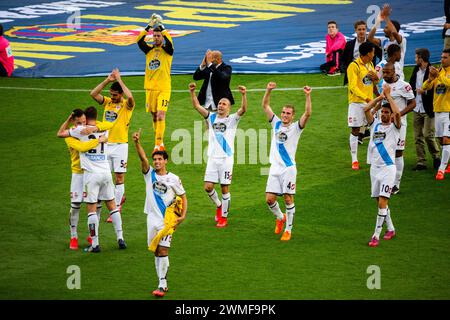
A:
117, 222
354, 147
163, 268
389, 224
275, 208
226, 199
290, 211
214, 197
119, 191
380, 220
73, 218
157, 266
93, 228
99, 210
160, 127
399, 164
445, 157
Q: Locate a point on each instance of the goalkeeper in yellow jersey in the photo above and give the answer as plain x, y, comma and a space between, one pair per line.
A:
157, 75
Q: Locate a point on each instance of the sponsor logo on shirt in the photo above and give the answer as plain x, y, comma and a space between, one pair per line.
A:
441, 89
378, 137
160, 187
366, 80
154, 64
219, 127
110, 116
96, 157
282, 137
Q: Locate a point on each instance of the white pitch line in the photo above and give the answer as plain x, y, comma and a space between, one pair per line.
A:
177, 91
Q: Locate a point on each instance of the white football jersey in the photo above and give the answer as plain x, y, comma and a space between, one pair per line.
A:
284, 144
94, 160
383, 143
385, 43
379, 71
161, 192
221, 135
401, 92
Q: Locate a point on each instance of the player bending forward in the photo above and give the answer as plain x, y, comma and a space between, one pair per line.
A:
219, 169
384, 135
283, 172
165, 206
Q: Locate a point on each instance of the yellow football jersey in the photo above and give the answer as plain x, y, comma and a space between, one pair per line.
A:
441, 85
158, 65
360, 87
119, 115
76, 146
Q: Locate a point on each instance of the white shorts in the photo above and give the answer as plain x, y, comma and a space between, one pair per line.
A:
442, 124
219, 170
402, 138
282, 182
356, 116
76, 188
154, 225
98, 186
382, 179
118, 157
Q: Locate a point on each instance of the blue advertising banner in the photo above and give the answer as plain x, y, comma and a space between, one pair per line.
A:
90, 37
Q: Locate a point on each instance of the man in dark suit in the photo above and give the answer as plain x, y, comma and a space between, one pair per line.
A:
216, 85
351, 51
423, 112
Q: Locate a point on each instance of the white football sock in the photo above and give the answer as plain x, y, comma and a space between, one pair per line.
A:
290, 211
93, 228
226, 199
399, 164
445, 157
99, 209
74, 217
354, 147
214, 197
163, 267
389, 224
380, 220
157, 266
275, 208
117, 222
119, 192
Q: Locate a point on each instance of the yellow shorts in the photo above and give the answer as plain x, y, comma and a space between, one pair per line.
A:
156, 100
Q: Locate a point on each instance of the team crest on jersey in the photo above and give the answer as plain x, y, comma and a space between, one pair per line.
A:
441, 89
282, 137
379, 137
219, 127
154, 64
159, 187
110, 116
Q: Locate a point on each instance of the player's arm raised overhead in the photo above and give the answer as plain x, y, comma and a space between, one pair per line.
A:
266, 100
372, 104
394, 107
387, 10
243, 108
195, 102
141, 153
308, 107
63, 131
371, 35
96, 93
126, 91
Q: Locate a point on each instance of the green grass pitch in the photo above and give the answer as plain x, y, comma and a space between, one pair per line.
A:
327, 257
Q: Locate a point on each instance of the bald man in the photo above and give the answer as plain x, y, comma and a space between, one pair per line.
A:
217, 76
